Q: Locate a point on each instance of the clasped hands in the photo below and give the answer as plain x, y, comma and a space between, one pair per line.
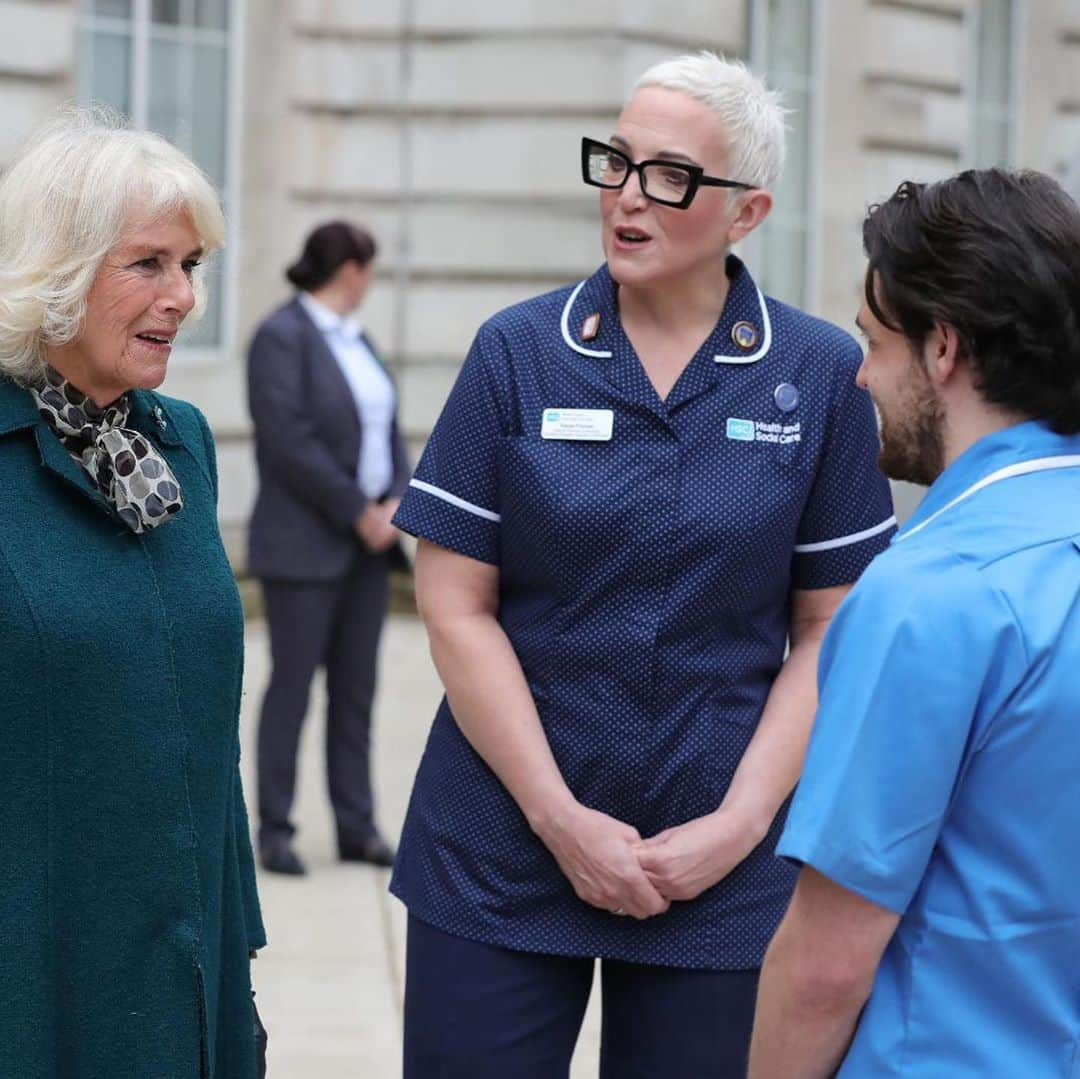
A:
611, 867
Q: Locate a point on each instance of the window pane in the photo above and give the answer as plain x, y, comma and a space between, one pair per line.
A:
212, 14
186, 97
104, 73
210, 105
167, 90
205, 14
785, 243
990, 116
789, 41
166, 11
788, 26
994, 58
117, 8
207, 331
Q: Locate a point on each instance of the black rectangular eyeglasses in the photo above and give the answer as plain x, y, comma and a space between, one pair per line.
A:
671, 183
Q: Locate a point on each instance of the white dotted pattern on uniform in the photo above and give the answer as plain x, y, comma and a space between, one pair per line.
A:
645, 585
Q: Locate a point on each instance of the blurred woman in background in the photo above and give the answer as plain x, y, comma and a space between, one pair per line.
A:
332, 466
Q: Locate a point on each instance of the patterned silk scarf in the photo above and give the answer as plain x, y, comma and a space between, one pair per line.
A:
125, 468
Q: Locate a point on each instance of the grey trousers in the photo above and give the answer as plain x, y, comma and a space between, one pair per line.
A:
336, 625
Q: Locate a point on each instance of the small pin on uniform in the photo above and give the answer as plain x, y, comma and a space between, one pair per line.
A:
786, 397
744, 335
591, 327
158, 416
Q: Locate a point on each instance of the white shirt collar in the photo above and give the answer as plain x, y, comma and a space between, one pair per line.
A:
329, 321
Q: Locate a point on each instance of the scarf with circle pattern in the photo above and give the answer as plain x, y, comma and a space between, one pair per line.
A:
123, 465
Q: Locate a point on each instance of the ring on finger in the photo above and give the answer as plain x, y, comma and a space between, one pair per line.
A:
619, 911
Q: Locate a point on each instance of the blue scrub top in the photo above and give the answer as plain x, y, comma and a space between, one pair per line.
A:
943, 775
644, 585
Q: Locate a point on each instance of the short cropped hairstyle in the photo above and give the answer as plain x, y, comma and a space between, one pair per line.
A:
995, 255
752, 115
73, 191
326, 250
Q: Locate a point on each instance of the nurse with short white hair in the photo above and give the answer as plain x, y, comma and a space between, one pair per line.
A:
642, 488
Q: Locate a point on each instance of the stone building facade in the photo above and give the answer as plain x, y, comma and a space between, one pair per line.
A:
451, 130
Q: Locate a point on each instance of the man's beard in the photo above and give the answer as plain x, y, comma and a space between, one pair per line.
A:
913, 433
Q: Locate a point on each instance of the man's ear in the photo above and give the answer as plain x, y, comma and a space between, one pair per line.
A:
941, 353
753, 209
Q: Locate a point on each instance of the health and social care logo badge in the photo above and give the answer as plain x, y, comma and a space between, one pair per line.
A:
740, 430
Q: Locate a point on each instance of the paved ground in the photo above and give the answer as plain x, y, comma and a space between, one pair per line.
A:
330, 982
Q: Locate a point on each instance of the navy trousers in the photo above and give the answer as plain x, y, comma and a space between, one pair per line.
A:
475, 1011
334, 624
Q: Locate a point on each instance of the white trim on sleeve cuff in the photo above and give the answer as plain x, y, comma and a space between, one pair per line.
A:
461, 504
845, 541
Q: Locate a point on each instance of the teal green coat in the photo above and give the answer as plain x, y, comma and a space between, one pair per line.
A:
127, 889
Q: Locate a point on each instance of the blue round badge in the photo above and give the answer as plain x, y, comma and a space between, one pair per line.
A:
786, 397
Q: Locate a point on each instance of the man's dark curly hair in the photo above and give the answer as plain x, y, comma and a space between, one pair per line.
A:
995, 255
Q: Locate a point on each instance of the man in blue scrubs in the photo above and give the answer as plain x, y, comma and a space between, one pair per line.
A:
935, 928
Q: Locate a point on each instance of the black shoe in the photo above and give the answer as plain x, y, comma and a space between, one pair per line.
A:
277, 856
374, 850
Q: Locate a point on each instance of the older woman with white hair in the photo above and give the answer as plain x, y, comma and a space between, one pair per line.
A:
644, 500
128, 910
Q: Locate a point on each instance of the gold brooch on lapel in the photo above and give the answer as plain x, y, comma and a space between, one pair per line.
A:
744, 335
590, 328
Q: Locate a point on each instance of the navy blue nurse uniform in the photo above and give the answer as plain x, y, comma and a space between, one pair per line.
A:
645, 583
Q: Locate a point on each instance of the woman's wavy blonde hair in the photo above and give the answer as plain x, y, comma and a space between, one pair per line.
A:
76, 187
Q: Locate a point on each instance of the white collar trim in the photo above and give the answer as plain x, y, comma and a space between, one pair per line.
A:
319, 313
766, 337
1023, 468
602, 354
326, 320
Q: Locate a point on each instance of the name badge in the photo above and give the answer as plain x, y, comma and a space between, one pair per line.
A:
578, 424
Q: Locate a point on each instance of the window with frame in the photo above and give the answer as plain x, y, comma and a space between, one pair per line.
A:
782, 49
990, 132
165, 64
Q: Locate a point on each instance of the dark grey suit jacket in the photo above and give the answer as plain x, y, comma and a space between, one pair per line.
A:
307, 447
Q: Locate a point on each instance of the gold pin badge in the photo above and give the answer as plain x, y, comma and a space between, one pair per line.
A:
591, 327
744, 335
